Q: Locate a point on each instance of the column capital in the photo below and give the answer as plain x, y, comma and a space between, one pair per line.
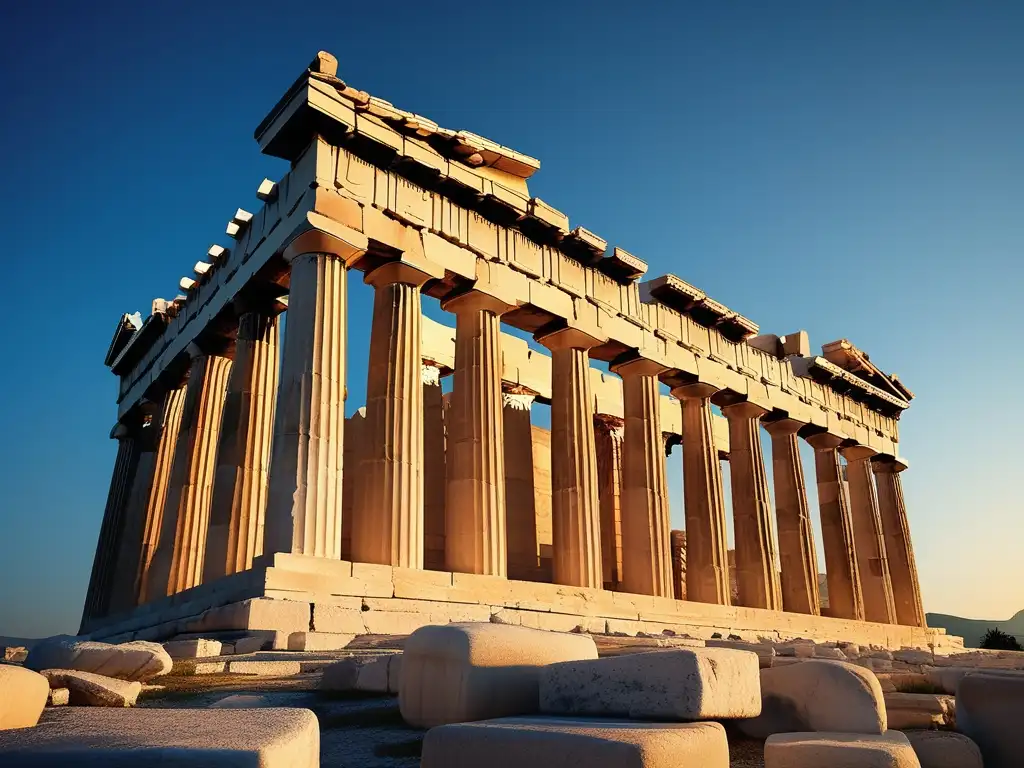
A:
517, 401
475, 300
327, 237
637, 365
886, 464
265, 302
857, 452
743, 410
570, 337
696, 391
430, 375
782, 427
400, 271
824, 441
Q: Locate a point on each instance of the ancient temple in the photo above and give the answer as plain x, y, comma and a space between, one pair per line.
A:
242, 498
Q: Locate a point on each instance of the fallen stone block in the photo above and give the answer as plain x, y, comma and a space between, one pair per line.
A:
461, 672
839, 750
944, 749
15, 653
264, 642
913, 656
829, 652
684, 684
91, 690
318, 641
59, 697
188, 667
265, 668
538, 742
801, 649
918, 710
137, 660
366, 673
193, 649
818, 695
988, 710
175, 738
242, 701
23, 694
947, 679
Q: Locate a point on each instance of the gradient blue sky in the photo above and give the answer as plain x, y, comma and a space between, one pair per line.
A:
853, 169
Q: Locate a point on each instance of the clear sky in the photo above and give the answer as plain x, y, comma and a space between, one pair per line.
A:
852, 169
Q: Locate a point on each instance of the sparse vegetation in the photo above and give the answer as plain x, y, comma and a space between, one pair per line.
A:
997, 640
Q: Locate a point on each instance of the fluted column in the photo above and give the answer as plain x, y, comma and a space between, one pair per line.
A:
304, 490
156, 497
845, 598
868, 536
575, 506
475, 508
646, 539
520, 491
435, 472
178, 562
796, 535
101, 584
707, 563
388, 524
608, 435
906, 590
239, 501
757, 572
678, 539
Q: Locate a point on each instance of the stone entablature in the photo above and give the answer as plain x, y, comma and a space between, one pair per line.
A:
417, 209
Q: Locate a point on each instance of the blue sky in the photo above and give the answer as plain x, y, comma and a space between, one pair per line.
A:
852, 169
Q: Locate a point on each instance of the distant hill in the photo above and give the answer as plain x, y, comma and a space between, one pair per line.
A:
972, 630
24, 642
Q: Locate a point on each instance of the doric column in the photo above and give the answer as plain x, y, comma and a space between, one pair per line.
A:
707, 564
575, 506
608, 436
156, 497
178, 562
868, 536
304, 490
646, 542
434, 468
520, 492
475, 507
239, 501
906, 590
845, 598
796, 535
101, 581
678, 539
388, 524
757, 573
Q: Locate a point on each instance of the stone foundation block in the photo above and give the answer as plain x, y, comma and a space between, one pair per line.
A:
944, 749
464, 672
765, 652
214, 738
23, 694
257, 613
328, 617
318, 641
812, 695
264, 641
59, 697
989, 710
193, 649
552, 743
370, 674
265, 668
87, 689
684, 684
839, 750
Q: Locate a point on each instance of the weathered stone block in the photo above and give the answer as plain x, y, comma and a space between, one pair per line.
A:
88, 689
59, 697
684, 684
812, 695
369, 673
270, 738
193, 649
23, 694
839, 750
549, 742
265, 668
318, 641
988, 710
944, 749
918, 710
137, 660
463, 672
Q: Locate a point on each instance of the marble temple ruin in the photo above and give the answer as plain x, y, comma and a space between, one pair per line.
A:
242, 498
